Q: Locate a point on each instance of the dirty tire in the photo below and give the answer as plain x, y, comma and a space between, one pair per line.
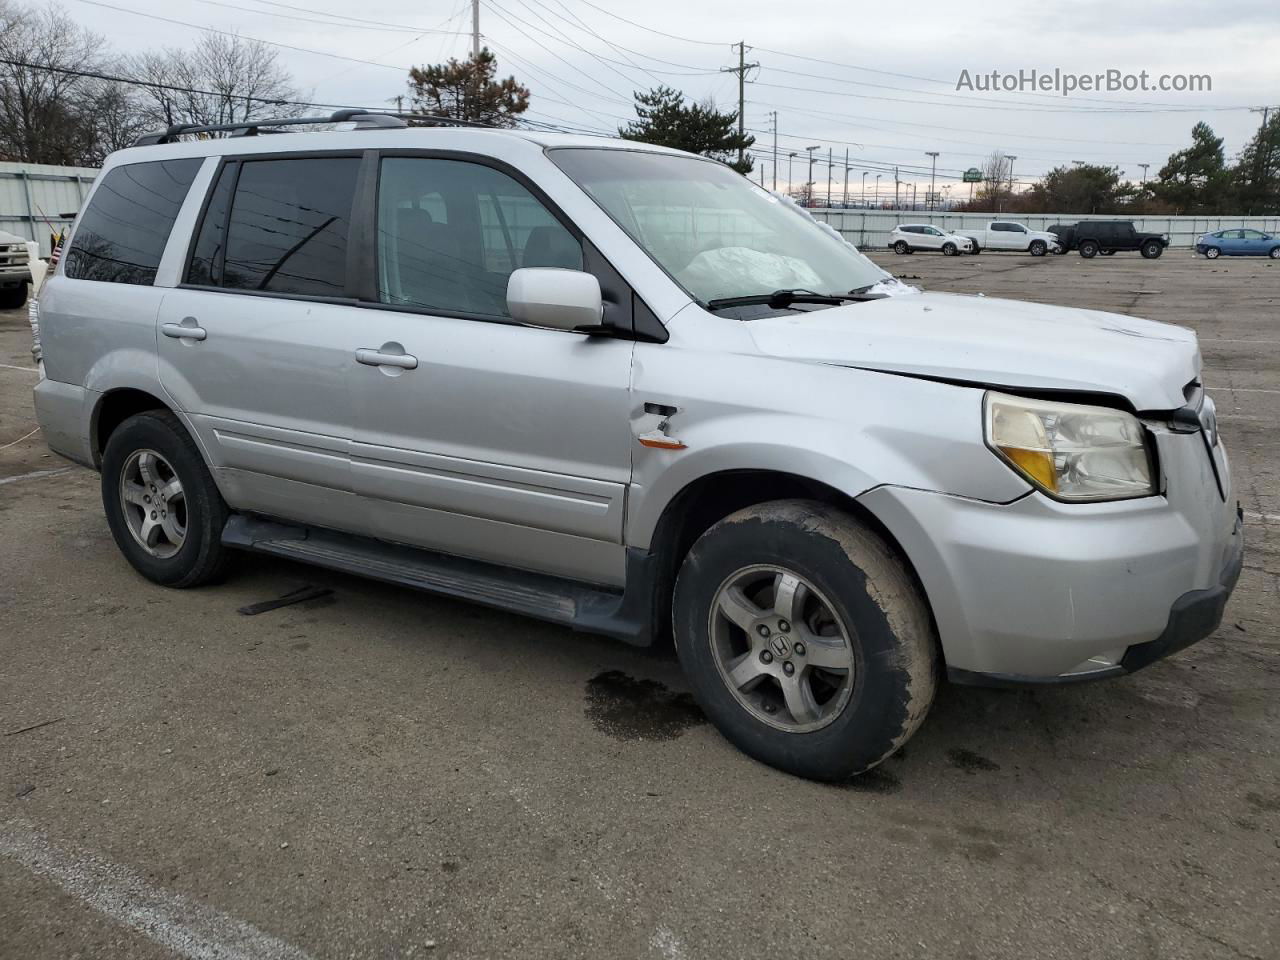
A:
901, 248
949, 249
1088, 249
886, 618
1151, 250
1038, 248
202, 557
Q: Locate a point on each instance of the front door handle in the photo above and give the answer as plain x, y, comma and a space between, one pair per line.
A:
376, 358
188, 329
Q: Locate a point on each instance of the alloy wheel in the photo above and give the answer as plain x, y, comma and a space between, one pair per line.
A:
781, 648
154, 503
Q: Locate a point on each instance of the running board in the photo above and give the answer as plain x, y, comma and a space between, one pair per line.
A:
581, 606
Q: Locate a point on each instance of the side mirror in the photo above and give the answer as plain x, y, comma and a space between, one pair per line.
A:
554, 297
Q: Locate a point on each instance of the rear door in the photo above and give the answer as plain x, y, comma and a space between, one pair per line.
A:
255, 346
475, 435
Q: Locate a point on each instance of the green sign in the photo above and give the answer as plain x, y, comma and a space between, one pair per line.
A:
973, 175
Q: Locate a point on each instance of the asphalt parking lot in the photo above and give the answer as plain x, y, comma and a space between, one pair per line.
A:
382, 774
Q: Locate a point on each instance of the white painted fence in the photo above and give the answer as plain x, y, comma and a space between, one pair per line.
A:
871, 228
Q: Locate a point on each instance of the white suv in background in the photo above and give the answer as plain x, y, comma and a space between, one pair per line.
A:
910, 237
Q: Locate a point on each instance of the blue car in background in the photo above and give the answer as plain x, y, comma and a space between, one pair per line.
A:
1239, 243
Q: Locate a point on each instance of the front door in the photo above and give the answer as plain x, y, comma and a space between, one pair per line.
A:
477, 436
250, 349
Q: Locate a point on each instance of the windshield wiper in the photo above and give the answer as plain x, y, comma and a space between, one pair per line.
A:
779, 299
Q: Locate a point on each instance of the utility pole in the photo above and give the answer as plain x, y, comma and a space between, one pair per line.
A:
878, 176
830, 167
846, 177
863, 196
809, 182
895, 188
933, 173
1010, 157
741, 70
475, 29
775, 151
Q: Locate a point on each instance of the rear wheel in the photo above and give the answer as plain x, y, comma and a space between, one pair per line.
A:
1213, 253
165, 512
949, 249
11, 298
1152, 249
1059, 250
1088, 249
1038, 248
804, 638
901, 247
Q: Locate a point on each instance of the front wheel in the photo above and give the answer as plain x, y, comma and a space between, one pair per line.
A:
1152, 249
1088, 249
804, 639
1213, 253
162, 506
949, 249
1038, 248
901, 248
1275, 253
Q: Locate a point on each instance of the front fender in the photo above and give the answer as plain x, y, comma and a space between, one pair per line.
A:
850, 429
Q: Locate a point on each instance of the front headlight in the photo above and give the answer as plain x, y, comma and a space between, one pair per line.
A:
1071, 451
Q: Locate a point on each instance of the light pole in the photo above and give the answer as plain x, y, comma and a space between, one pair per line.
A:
863, 196
878, 176
933, 154
790, 156
846, 184
1010, 157
809, 183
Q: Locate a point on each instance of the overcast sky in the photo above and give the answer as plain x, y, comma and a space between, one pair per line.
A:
886, 93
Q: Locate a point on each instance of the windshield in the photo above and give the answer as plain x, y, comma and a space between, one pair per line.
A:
715, 233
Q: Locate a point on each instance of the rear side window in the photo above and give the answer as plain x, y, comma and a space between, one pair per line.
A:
279, 226
122, 233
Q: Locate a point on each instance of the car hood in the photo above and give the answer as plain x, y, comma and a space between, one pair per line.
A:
1006, 343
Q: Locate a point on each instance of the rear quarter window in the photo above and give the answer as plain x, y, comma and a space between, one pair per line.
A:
123, 232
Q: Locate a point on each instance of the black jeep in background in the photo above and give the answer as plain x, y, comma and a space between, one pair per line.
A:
1093, 237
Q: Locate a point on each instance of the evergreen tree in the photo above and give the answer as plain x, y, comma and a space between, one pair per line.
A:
663, 118
1195, 180
467, 90
1257, 171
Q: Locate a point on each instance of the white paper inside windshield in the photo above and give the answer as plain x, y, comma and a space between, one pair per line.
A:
742, 268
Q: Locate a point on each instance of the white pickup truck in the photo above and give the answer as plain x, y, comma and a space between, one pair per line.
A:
1008, 235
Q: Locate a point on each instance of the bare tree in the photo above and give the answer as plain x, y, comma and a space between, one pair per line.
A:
116, 118
45, 100
996, 187
225, 79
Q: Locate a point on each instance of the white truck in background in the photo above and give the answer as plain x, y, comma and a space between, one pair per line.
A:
1010, 235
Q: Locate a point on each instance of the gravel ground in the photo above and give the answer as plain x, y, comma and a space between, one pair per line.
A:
383, 774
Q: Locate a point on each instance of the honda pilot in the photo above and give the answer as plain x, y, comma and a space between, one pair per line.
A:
623, 389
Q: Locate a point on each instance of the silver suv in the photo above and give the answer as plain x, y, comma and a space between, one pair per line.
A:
624, 389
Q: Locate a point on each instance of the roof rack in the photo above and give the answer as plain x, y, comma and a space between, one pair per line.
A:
363, 119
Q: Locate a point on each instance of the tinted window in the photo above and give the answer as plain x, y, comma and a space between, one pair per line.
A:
1002, 227
451, 232
206, 258
123, 232
287, 231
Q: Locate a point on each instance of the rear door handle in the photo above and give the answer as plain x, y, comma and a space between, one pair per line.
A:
376, 358
188, 329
